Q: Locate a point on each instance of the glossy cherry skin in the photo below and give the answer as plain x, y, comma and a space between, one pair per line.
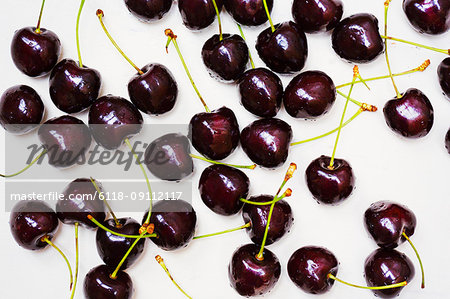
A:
267, 141
155, 91
387, 266
80, 199
280, 223
99, 284
261, 92
318, 15
175, 223
35, 54
432, 17
66, 139
112, 248
285, 50
309, 267
198, 14
221, 188
330, 186
250, 276
411, 116
112, 120
225, 59
309, 95
386, 221
73, 88
148, 10
444, 76
21, 109
248, 12
357, 39
30, 221
447, 141
215, 134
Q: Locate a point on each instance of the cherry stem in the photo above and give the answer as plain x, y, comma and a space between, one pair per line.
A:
351, 99
218, 19
249, 52
171, 37
224, 232
418, 257
160, 261
77, 260
80, 62
266, 7
386, 8
391, 286
355, 75
47, 240
114, 275
102, 197
44, 151
38, 26
100, 16
444, 51
118, 234
220, 163
287, 193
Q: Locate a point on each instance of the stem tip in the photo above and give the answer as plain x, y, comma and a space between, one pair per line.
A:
100, 13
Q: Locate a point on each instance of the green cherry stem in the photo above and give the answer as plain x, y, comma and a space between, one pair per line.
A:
386, 8
47, 240
220, 163
443, 51
100, 16
38, 26
80, 62
102, 197
95, 221
171, 37
287, 193
77, 260
351, 99
224, 232
266, 7
218, 19
44, 151
114, 275
249, 52
391, 286
418, 257
160, 261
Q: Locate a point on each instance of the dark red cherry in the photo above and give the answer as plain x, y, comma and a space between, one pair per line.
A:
66, 139
411, 116
148, 10
444, 76
248, 12
221, 188
426, 16
112, 248
225, 59
330, 186
285, 50
155, 91
175, 222
280, 223
112, 120
99, 284
215, 134
386, 221
387, 266
267, 141
35, 54
357, 38
447, 141
80, 199
30, 221
74, 88
309, 95
21, 109
198, 14
250, 276
309, 267
168, 157
261, 92
318, 15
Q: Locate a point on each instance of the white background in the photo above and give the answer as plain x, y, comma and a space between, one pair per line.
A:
387, 167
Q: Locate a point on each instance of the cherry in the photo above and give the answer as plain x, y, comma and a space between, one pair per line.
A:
257, 215
99, 284
175, 222
318, 15
447, 141
221, 188
261, 92
198, 14
432, 17
283, 48
357, 38
250, 276
387, 266
113, 119
148, 10
444, 76
248, 12
266, 142
21, 109
411, 115
309, 95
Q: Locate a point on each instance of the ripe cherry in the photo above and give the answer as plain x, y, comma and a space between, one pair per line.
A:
444, 76
432, 17
148, 10
248, 12
198, 14
99, 284
318, 15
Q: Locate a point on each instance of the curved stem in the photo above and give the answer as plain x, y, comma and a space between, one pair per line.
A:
171, 37
386, 8
47, 240
114, 275
418, 257
77, 260
44, 151
220, 163
38, 26
224, 232
100, 16
160, 261
80, 62
267, 203
266, 7
397, 285
102, 197
249, 52
118, 234
443, 51
218, 19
